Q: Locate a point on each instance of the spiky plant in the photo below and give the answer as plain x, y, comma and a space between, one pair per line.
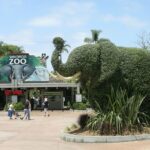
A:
123, 114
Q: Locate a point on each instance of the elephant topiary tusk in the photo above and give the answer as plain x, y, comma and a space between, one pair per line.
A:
58, 76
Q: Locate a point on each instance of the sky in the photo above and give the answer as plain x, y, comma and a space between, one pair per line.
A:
33, 24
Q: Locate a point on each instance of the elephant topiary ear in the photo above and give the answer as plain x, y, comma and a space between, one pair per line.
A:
27, 71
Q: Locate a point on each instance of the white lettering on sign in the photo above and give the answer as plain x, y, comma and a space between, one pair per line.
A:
17, 61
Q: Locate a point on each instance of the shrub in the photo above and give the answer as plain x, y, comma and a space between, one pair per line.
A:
123, 113
82, 120
6, 107
16, 106
79, 106
19, 106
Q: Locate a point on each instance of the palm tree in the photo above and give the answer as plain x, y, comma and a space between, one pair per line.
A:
95, 36
60, 45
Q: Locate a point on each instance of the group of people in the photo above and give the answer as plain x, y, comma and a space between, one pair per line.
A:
27, 110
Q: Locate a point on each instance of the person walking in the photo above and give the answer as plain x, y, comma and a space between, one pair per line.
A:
32, 103
27, 110
45, 103
29, 113
10, 110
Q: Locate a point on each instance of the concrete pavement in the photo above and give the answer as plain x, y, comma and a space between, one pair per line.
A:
43, 133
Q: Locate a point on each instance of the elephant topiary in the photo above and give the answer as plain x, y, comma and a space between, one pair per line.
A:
102, 65
89, 60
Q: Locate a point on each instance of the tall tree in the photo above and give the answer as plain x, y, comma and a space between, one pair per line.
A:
144, 40
6, 49
95, 35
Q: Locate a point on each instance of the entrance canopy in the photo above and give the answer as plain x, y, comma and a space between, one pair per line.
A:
43, 84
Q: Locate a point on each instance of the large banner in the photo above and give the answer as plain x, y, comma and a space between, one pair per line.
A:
22, 67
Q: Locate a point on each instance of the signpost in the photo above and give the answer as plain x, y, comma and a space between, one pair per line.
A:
78, 98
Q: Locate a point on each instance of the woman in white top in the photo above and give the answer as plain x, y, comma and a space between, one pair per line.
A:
10, 111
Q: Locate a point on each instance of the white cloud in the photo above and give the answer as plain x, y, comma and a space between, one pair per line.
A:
132, 22
79, 38
24, 37
108, 17
73, 8
126, 20
131, 6
72, 14
45, 21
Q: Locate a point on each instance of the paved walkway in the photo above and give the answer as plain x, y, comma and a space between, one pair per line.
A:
43, 133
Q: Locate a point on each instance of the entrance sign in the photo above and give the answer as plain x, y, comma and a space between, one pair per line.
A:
13, 92
18, 59
22, 67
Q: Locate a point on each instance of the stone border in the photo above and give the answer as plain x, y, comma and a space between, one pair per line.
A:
103, 139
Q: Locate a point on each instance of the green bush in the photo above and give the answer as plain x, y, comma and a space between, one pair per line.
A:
19, 106
6, 107
122, 113
79, 106
16, 106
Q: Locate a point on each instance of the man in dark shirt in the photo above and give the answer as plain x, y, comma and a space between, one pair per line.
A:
27, 110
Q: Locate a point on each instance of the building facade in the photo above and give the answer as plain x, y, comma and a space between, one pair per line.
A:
24, 76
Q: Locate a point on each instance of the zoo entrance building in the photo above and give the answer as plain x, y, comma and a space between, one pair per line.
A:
24, 76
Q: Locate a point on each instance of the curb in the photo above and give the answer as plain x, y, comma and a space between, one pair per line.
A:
103, 139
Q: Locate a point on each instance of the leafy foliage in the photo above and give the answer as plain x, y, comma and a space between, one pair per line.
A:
19, 106
34, 61
122, 113
6, 49
88, 59
4, 60
134, 66
79, 106
132, 74
103, 65
95, 36
16, 106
